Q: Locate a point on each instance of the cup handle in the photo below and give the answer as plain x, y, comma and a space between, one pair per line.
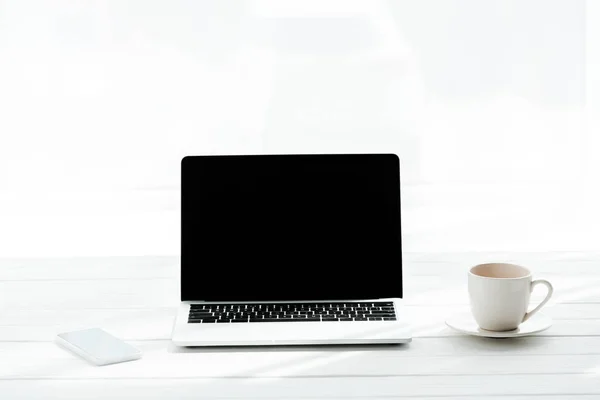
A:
550, 291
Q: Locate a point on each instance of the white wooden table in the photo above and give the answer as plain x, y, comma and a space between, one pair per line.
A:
135, 299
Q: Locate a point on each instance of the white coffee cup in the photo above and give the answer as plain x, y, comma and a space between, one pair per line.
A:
500, 293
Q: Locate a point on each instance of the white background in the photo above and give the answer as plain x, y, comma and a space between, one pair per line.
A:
492, 107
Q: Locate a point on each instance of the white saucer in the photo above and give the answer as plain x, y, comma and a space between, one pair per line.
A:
465, 323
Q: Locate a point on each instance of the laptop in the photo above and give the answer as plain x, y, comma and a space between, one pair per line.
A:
290, 250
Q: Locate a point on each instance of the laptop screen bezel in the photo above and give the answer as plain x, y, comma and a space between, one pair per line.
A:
188, 297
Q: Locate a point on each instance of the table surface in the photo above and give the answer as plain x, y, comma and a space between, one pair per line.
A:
135, 298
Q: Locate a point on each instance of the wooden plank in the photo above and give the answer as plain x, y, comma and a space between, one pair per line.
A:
449, 346
164, 292
322, 365
156, 323
538, 267
81, 268
452, 289
144, 324
37, 392
161, 360
415, 264
476, 257
86, 316
368, 387
104, 293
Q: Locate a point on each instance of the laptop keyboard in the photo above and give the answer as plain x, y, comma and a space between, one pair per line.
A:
291, 312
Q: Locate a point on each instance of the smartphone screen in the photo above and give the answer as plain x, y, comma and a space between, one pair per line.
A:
99, 344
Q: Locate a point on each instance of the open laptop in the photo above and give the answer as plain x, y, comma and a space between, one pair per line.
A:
290, 249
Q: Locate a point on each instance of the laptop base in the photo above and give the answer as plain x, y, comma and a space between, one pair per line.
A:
289, 333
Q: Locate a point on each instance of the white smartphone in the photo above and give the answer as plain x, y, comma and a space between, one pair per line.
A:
98, 346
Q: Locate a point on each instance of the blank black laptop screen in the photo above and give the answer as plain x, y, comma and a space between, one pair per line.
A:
291, 227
